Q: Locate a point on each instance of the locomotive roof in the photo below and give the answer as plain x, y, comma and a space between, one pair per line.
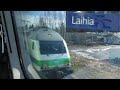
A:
45, 34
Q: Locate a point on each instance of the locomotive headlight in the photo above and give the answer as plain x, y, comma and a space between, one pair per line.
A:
45, 66
66, 64
42, 68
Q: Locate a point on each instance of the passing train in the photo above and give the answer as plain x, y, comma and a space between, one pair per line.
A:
48, 50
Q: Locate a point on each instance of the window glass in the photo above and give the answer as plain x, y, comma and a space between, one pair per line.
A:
42, 41
56, 53
52, 47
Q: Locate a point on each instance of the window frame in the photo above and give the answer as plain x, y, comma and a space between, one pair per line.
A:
24, 64
11, 44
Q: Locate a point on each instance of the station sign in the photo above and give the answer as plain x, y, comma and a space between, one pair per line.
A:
76, 21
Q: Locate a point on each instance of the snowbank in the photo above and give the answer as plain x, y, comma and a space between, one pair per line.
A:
99, 53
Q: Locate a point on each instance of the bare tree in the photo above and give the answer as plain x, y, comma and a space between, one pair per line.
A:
42, 22
55, 19
31, 26
26, 26
62, 29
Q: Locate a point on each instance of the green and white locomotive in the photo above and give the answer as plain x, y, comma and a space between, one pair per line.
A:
48, 49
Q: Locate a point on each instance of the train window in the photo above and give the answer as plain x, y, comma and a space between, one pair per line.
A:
58, 53
52, 47
50, 57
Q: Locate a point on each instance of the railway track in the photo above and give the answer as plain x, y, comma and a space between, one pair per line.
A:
55, 73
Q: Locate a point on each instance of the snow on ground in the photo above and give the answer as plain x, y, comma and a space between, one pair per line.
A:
85, 68
97, 52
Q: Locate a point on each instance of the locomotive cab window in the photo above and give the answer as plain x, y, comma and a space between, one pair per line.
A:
52, 47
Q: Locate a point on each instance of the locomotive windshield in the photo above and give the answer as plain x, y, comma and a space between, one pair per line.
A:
52, 47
